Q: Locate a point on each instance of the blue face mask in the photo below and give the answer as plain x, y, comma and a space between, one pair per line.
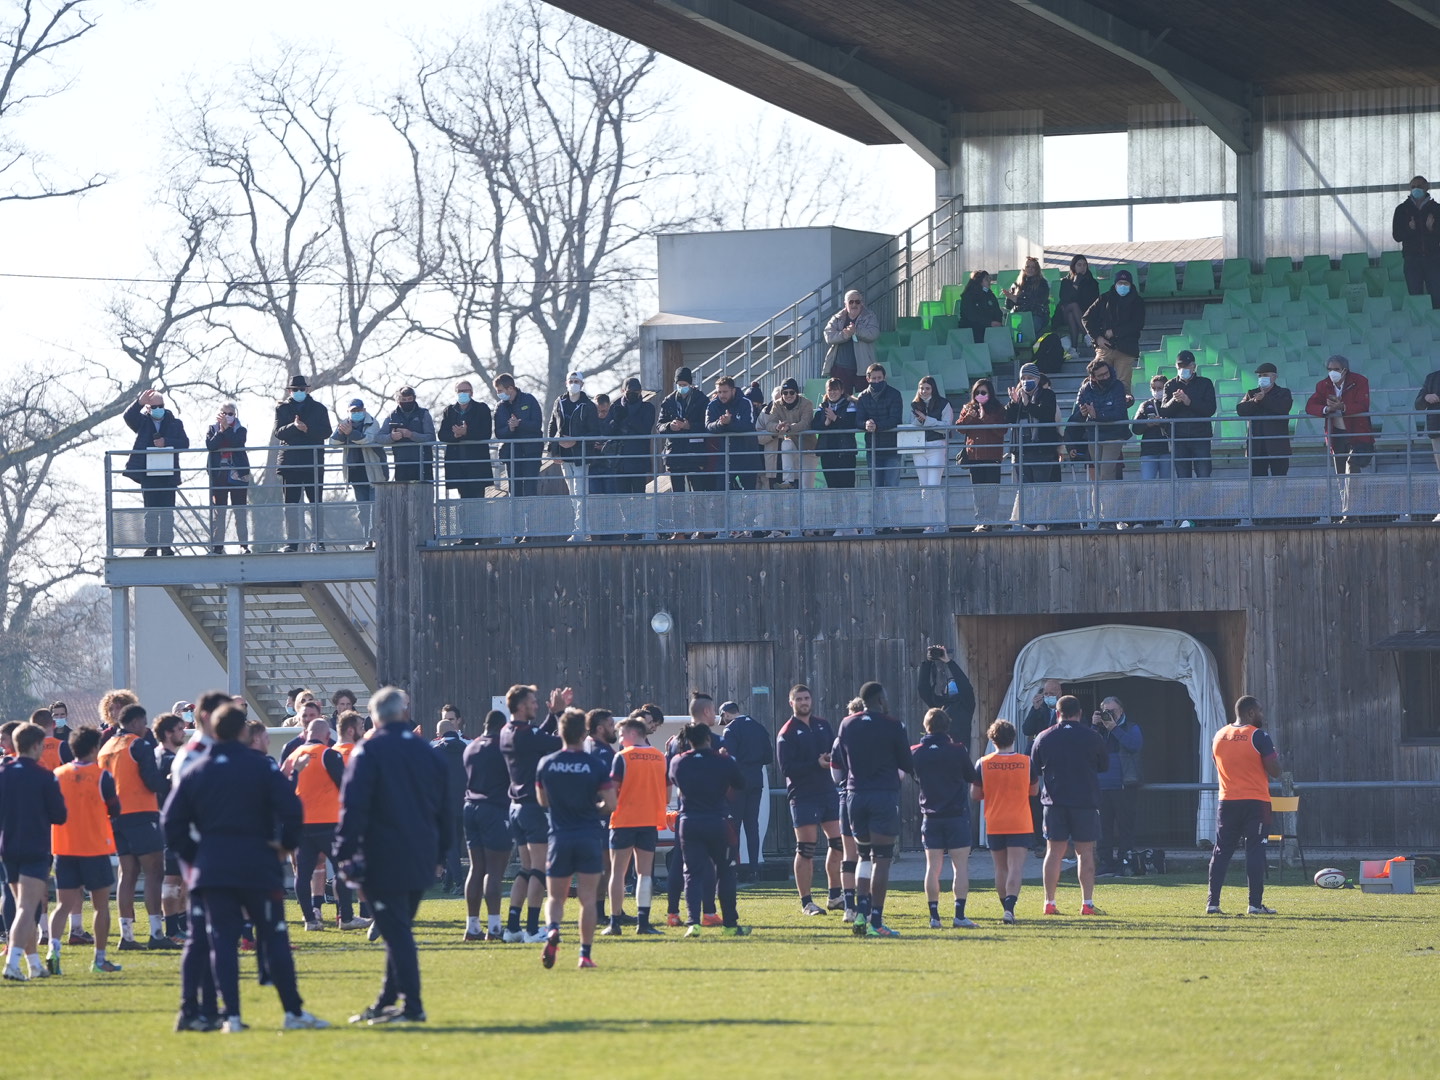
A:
503, 395
1050, 700
1186, 374
298, 395
1122, 289
158, 413
1418, 194
681, 389
188, 717
357, 417
463, 398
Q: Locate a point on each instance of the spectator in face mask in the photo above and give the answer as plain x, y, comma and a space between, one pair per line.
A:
1115, 321
1189, 400
410, 431
365, 466
1153, 433
228, 467
465, 429
983, 419
634, 420
1343, 399
1267, 410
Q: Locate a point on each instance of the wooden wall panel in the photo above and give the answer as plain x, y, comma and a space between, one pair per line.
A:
1291, 615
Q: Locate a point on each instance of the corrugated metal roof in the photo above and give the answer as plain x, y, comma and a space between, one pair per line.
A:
1139, 252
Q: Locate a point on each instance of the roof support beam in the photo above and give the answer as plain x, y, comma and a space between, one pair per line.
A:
918, 119
1425, 10
1220, 100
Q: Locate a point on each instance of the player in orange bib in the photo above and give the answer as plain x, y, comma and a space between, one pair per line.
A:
1246, 760
129, 756
1007, 781
317, 771
83, 846
53, 752
639, 773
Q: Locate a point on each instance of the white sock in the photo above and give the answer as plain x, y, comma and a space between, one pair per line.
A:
76, 925
15, 954
157, 926
495, 924
472, 924
54, 948
127, 929
34, 960
644, 890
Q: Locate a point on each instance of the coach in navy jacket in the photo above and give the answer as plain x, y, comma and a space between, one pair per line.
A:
395, 825
241, 806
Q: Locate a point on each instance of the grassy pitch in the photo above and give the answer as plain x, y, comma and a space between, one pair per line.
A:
1339, 983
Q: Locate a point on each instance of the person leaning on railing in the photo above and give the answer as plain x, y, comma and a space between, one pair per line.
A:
682, 418
1343, 399
465, 429
1032, 409
228, 467
983, 420
410, 432
303, 425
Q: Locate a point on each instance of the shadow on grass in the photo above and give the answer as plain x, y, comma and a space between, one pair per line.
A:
597, 1026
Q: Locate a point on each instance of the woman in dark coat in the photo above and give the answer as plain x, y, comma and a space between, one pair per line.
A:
978, 307
228, 467
1031, 292
1078, 290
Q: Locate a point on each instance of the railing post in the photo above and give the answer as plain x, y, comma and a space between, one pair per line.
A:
120, 636
235, 639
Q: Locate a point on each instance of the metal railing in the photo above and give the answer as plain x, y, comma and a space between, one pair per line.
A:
894, 277
639, 488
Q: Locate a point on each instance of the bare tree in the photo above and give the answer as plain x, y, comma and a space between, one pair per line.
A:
557, 125
31, 36
783, 179
317, 270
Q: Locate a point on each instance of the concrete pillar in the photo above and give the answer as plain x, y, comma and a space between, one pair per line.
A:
235, 639
1249, 208
120, 637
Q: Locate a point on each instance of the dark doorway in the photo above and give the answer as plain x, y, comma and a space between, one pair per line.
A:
1166, 716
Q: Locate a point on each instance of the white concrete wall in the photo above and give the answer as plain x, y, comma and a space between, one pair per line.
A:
171, 661
751, 274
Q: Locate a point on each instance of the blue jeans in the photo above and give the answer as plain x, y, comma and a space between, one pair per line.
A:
1192, 457
884, 468
1154, 467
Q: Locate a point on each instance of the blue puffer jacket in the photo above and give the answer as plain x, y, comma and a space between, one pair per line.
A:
1111, 412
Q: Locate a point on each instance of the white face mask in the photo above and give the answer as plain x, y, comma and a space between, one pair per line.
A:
1157, 393
576, 387
1336, 376
1266, 382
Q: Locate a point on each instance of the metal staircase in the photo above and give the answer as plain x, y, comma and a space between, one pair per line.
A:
316, 635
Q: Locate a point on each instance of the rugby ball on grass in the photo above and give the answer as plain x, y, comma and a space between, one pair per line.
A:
1330, 878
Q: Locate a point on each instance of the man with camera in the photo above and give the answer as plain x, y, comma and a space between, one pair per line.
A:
1119, 784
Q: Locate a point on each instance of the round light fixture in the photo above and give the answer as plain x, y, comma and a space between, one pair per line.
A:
660, 622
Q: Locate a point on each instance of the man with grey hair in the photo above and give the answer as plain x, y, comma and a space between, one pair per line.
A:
1119, 784
394, 829
851, 334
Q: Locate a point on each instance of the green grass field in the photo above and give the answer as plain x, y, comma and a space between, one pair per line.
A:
1340, 983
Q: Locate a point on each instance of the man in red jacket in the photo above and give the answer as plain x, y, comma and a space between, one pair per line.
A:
1343, 399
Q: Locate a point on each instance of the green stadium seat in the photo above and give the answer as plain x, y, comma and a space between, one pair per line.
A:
1215, 315
1335, 341
933, 311
957, 339
815, 390
1354, 264
953, 376
1052, 274
950, 297
977, 359
888, 338
1173, 345
1271, 354
1275, 297
1379, 310
1418, 308
1274, 326
920, 340
1393, 264
1294, 341
900, 356
1235, 274
1253, 342
1004, 279
1354, 296
1276, 267
1000, 343
1315, 267
1199, 278
909, 322
1297, 280
1334, 282
1238, 298
1160, 280
1375, 280
1022, 326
